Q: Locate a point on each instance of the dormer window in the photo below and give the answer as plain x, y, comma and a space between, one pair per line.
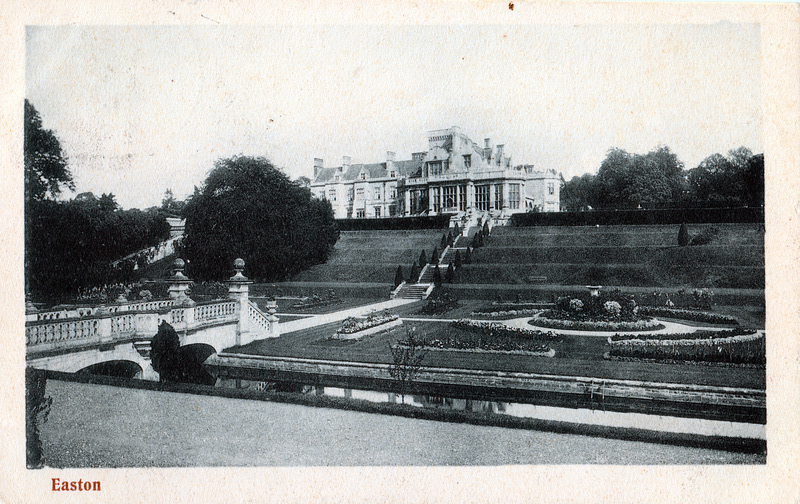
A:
392, 174
363, 176
467, 160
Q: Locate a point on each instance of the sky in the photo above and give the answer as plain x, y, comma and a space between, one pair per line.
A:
142, 109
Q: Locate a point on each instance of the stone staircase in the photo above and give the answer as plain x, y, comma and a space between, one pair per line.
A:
412, 291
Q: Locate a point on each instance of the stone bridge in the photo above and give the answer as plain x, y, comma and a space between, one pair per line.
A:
119, 334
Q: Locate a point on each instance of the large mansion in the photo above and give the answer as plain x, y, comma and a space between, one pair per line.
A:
455, 175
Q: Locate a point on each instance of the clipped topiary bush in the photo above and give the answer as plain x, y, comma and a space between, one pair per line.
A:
398, 276
414, 275
450, 276
683, 235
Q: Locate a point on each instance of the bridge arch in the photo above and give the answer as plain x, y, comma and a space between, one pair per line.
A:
192, 357
119, 368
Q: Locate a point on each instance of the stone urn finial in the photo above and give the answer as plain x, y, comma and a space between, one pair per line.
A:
178, 266
238, 267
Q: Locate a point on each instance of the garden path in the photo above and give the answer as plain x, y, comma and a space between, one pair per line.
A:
326, 318
669, 328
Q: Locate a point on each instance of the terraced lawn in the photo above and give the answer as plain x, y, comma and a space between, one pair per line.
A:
575, 356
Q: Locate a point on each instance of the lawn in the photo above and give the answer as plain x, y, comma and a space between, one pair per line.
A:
575, 356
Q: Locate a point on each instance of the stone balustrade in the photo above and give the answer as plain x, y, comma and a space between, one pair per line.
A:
61, 329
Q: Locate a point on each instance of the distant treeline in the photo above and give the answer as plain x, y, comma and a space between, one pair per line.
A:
658, 180
395, 223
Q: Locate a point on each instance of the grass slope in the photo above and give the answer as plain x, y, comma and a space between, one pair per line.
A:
621, 255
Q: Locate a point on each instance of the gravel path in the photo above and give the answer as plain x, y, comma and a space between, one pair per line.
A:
102, 426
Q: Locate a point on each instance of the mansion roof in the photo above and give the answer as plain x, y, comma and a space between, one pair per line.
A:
350, 173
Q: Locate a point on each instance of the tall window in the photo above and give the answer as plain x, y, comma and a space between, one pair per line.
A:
377, 193
449, 196
393, 193
513, 196
434, 168
360, 193
482, 197
350, 194
462, 197
437, 199
551, 188
360, 213
498, 196
332, 194
467, 160
377, 211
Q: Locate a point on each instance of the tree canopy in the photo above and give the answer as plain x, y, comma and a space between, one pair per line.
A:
72, 244
248, 208
658, 178
46, 169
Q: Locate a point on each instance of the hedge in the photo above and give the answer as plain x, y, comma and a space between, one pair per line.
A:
639, 217
419, 222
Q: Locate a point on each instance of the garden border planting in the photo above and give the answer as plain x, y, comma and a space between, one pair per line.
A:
353, 328
684, 314
596, 325
738, 349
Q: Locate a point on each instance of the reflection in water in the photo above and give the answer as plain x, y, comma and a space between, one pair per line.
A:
580, 416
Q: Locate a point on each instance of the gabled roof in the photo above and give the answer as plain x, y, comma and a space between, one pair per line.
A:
373, 170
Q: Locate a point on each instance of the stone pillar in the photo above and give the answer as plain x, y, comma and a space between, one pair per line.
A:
505, 196
178, 283
104, 328
239, 291
430, 199
471, 195
272, 308
407, 200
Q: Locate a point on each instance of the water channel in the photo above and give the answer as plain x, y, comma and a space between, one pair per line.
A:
581, 416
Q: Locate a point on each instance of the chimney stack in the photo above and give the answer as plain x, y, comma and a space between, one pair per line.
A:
317, 166
500, 154
345, 161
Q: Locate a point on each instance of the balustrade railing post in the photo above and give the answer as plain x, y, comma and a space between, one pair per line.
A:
104, 327
239, 291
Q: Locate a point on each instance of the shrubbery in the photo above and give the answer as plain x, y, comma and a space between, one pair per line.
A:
440, 301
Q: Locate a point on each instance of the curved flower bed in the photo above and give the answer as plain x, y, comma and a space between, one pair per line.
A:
493, 338
693, 315
507, 313
497, 329
739, 331
648, 324
459, 345
736, 349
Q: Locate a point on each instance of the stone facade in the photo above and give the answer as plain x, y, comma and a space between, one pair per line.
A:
454, 175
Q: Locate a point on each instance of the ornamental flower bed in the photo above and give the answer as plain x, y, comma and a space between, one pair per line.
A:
502, 330
737, 349
693, 315
739, 331
505, 314
353, 325
647, 324
492, 337
508, 306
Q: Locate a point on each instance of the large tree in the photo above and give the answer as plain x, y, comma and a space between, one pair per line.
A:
248, 208
46, 169
737, 178
630, 180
